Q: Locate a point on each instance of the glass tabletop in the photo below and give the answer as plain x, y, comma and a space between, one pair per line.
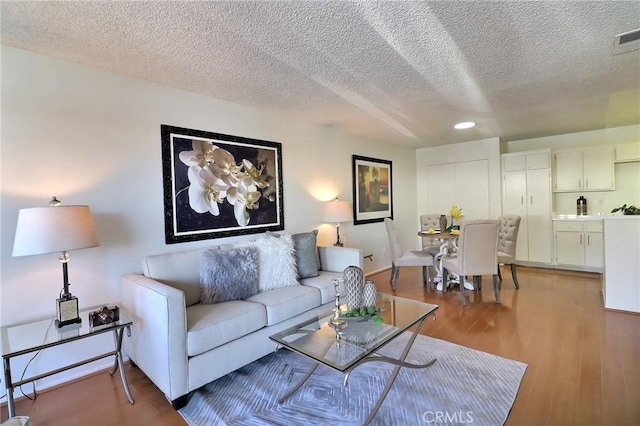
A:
341, 347
18, 339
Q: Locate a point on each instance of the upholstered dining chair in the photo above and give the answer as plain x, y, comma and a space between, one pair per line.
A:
507, 239
405, 258
430, 245
477, 254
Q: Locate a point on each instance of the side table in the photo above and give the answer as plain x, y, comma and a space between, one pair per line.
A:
33, 336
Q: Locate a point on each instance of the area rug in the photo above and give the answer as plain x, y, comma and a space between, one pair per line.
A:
464, 386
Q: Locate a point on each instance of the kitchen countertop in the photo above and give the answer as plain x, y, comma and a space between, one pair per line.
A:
587, 218
593, 217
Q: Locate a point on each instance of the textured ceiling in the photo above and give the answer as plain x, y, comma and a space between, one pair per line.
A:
402, 72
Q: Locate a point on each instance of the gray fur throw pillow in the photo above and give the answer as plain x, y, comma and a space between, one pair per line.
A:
228, 274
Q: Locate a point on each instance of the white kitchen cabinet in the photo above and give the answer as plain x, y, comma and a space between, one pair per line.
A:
527, 194
584, 170
569, 248
627, 152
521, 161
594, 248
579, 244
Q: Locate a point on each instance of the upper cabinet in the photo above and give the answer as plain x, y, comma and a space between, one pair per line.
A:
628, 152
522, 161
526, 192
584, 170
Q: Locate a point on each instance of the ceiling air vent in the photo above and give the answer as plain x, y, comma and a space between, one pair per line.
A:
626, 42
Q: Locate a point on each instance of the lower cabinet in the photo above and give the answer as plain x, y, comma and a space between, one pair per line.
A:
579, 244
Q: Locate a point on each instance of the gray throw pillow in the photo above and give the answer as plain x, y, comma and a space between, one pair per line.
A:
228, 274
306, 253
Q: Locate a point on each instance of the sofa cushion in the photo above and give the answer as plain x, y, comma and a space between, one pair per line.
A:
228, 274
210, 326
180, 270
285, 303
306, 253
323, 283
277, 267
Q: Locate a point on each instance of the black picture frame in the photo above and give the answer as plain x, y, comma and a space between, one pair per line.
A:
372, 189
218, 185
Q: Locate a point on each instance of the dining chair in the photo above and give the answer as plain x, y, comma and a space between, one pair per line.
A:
429, 245
477, 255
507, 239
405, 258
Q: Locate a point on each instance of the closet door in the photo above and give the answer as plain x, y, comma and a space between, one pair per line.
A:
472, 189
440, 188
464, 184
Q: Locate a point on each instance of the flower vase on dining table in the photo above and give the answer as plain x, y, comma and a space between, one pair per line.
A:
443, 223
456, 214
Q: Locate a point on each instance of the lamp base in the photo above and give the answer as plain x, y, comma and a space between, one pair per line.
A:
338, 242
67, 311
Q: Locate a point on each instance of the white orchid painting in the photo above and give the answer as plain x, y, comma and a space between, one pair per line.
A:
220, 185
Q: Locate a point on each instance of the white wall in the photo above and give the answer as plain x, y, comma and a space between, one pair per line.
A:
93, 137
592, 138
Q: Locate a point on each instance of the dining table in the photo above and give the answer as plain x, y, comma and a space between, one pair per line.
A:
448, 248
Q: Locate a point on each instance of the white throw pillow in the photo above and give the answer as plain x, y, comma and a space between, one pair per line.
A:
277, 261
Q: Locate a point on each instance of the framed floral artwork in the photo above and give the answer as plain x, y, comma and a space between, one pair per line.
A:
372, 190
219, 185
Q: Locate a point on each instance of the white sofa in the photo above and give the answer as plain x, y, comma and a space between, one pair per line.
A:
181, 345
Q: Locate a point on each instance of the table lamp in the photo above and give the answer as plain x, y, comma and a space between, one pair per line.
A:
338, 211
56, 228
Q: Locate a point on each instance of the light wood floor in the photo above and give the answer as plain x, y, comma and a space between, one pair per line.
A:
584, 362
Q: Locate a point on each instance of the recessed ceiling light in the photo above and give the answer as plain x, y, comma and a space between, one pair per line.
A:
465, 125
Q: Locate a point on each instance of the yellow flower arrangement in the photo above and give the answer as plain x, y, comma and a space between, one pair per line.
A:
455, 213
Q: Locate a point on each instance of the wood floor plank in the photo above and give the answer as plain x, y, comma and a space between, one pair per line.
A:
583, 362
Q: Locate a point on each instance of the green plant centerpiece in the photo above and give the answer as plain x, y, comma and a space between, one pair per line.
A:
365, 311
627, 210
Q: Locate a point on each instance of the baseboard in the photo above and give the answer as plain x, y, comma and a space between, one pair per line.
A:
377, 271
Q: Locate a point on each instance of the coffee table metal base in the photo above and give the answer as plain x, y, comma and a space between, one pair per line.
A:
399, 363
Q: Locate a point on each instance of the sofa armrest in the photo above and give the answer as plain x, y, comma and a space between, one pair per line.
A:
337, 259
158, 342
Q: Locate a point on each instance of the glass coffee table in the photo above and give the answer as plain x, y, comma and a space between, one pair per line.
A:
347, 346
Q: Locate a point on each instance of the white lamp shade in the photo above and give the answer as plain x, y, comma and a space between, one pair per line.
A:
338, 211
54, 229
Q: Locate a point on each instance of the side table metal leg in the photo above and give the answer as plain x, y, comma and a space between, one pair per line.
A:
119, 364
9, 386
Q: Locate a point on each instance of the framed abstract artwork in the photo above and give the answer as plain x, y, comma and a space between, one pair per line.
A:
218, 185
372, 190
